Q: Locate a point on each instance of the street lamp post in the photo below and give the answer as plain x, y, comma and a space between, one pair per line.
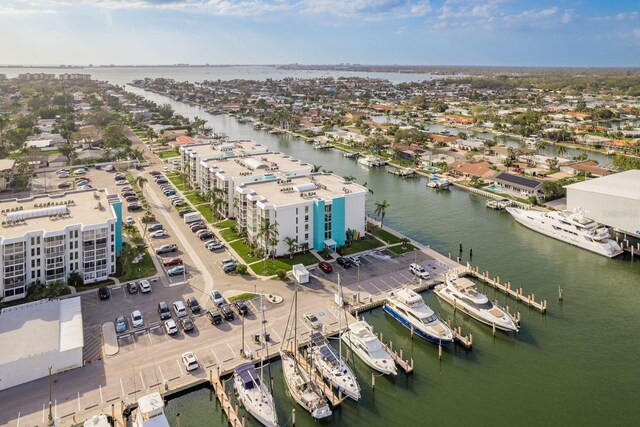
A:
50, 423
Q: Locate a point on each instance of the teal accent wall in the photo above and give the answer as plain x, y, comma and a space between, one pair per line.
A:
318, 225
117, 208
338, 231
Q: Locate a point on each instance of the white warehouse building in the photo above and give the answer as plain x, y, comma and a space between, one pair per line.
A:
613, 200
37, 335
319, 210
46, 238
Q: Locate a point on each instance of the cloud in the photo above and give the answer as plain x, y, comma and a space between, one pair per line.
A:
12, 9
366, 9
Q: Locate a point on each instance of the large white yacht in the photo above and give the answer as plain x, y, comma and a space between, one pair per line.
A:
463, 294
302, 389
254, 394
332, 367
150, 412
408, 308
370, 161
361, 339
570, 227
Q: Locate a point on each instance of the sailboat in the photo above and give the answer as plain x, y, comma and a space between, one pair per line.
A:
302, 389
330, 365
253, 392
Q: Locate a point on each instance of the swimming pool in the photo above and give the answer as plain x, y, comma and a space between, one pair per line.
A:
494, 188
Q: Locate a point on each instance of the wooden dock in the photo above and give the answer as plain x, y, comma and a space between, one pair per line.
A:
406, 365
465, 340
317, 379
518, 294
228, 408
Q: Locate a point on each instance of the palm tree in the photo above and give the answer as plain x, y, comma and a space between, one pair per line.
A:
553, 163
316, 168
55, 289
304, 247
140, 182
381, 211
4, 121
540, 145
267, 232
561, 150
349, 178
292, 244
365, 185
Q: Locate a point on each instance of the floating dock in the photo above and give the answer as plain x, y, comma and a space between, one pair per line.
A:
225, 401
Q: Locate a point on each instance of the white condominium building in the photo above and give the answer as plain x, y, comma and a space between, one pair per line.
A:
48, 237
320, 210
226, 174
194, 154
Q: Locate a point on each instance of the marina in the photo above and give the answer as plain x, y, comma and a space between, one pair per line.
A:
496, 241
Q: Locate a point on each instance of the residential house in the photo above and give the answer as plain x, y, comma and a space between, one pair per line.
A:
588, 166
469, 170
519, 184
6, 172
468, 144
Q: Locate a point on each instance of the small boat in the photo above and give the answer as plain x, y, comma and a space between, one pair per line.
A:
332, 367
321, 145
364, 343
150, 412
302, 389
370, 161
438, 183
463, 294
254, 394
498, 204
408, 308
401, 172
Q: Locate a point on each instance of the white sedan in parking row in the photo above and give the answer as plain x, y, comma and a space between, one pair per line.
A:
158, 234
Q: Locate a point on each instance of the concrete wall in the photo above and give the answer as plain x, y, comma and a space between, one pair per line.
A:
37, 366
613, 211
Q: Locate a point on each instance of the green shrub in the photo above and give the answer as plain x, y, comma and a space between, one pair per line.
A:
241, 269
282, 274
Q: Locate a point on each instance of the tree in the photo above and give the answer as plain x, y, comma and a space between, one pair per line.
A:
316, 168
540, 145
165, 111
75, 279
350, 178
552, 163
55, 289
561, 150
267, 232
292, 245
141, 182
375, 143
113, 135
304, 247
381, 211
4, 121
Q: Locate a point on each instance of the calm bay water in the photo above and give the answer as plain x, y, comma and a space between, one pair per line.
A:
577, 365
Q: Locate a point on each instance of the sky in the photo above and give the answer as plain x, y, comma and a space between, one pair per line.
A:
594, 33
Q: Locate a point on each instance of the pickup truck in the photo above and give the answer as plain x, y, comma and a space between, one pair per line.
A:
166, 249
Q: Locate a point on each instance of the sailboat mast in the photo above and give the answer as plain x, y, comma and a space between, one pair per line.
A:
340, 319
262, 332
295, 324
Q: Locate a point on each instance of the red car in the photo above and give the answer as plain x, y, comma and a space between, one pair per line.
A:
325, 266
82, 178
172, 261
198, 228
154, 173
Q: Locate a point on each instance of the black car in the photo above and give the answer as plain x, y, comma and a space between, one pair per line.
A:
132, 287
164, 311
214, 317
241, 307
226, 312
104, 293
161, 181
187, 324
193, 305
134, 206
183, 212
206, 236
344, 262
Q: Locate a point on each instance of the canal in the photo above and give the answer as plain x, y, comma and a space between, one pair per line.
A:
576, 365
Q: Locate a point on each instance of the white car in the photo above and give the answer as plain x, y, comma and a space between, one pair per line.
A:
214, 246
122, 182
312, 320
190, 361
79, 172
136, 319
419, 271
171, 327
63, 175
129, 220
144, 286
165, 169
59, 171
179, 309
217, 298
158, 234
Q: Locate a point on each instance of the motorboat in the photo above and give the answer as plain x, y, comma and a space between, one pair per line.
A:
254, 394
463, 294
438, 183
370, 161
150, 412
570, 227
331, 366
365, 344
302, 389
408, 308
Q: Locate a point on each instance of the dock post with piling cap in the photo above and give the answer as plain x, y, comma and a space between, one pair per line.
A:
460, 246
411, 331
493, 328
560, 293
293, 417
470, 252
401, 354
373, 380
439, 351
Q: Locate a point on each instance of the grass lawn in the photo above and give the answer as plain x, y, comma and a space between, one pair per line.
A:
176, 180
167, 154
387, 237
205, 210
229, 234
243, 250
181, 187
365, 244
227, 223
144, 268
399, 249
194, 198
271, 266
304, 259
242, 297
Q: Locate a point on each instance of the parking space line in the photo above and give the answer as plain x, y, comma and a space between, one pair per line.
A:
255, 310
180, 367
407, 278
232, 352
142, 379
276, 334
371, 283
122, 388
215, 355
161, 374
386, 284
397, 281
149, 335
43, 405
100, 388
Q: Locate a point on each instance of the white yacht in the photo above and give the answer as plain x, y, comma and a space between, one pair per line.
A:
150, 412
254, 394
463, 294
532, 140
438, 183
370, 161
570, 227
408, 308
302, 389
332, 367
361, 339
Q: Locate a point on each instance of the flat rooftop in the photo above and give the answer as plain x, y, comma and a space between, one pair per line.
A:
257, 164
43, 212
315, 186
238, 148
7, 164
624, 184
39, 327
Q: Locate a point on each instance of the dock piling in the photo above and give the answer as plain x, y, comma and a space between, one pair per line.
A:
560, 293
493, 327
440, 351
373, 381
293, 417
